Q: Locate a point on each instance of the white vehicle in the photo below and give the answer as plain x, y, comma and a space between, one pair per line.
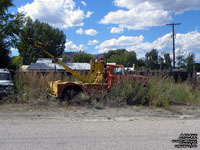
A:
198, 75
6, 84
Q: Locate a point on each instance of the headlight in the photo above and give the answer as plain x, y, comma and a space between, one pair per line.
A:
9, 88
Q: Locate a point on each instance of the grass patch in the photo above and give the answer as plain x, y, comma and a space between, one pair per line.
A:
128, 92
165, 92
31, 89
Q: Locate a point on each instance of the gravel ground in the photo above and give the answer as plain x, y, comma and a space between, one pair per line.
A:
26, 128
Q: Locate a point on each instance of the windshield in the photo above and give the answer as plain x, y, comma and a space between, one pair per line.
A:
119, 70
4, 76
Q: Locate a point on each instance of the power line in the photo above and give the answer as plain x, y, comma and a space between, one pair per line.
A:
173, 24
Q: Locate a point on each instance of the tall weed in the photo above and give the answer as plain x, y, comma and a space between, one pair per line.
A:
128, 92
31, 87
165, 92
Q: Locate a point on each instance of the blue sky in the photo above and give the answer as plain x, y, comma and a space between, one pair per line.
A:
96, 26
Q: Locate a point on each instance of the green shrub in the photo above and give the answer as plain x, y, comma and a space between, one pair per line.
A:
165, 92
128, 92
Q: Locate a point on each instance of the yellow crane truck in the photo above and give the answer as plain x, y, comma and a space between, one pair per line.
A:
101, 76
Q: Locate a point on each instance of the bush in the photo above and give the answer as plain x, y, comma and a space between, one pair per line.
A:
165, 92
128, 92
131, 92
159, 93
31, 87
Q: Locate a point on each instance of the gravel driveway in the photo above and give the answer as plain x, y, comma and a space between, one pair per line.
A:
24, 128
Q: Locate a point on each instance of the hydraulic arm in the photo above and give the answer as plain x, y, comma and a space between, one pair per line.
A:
74, 73
96, 70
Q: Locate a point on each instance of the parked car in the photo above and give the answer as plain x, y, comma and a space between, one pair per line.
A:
198, 75
6, 83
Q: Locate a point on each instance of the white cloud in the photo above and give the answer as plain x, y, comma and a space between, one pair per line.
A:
117, 30
121, 42
70, 46
89, 13
173, 6
185, 44
188, 43
92, 42
141, 14
83, 3
79, 31
90, 32
58, 13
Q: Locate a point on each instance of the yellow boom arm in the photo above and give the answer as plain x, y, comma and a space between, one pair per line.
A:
41, 45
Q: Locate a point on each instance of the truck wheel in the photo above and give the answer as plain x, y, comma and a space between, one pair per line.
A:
70, 93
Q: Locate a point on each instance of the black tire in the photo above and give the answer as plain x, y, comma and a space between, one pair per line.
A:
70, 93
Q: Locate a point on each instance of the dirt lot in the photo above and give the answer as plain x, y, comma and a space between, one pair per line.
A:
24, 127
73, 113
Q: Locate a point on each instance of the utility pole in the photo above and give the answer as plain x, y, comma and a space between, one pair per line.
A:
173, 24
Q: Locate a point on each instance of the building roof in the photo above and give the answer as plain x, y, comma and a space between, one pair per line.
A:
46, 60
47, 64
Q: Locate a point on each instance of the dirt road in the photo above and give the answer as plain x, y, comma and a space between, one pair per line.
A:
24, 128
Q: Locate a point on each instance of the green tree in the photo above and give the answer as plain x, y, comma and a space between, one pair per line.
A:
130, 59
152, 59
141, 63
114, 52
190, 62
65, 58
121, 56
161, 61
82, 57
167, 60
181, 61
15, 62
53, 37
118, 59
10, 27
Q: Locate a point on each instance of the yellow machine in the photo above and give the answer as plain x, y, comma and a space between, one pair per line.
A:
100, 77
94, 77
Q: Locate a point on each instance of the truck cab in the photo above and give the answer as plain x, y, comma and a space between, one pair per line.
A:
6, 83
116, 74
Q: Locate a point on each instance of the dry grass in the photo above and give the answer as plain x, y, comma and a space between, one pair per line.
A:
165, 92
128, 92
159, 93
31, 89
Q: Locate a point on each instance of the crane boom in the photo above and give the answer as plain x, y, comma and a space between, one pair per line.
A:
41, 45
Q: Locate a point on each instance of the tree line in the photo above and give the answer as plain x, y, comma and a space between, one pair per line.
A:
18, 32
152, 59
